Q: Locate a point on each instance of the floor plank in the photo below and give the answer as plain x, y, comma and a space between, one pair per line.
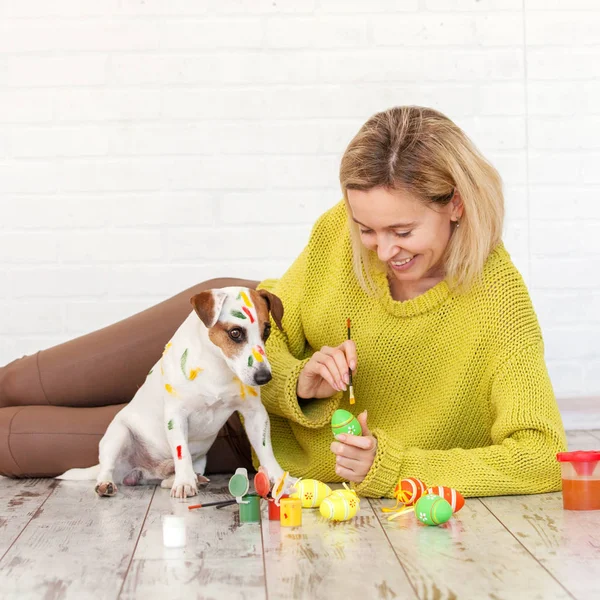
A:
76, 546
324, 559
19, 501
222, 557
471, 557
565, 542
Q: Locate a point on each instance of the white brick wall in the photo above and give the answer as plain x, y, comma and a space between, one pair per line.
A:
148, 145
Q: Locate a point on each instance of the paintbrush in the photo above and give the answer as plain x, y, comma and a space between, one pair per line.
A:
218, 504
351, 390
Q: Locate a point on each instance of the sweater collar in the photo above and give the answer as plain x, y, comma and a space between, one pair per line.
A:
431, 299
423, 303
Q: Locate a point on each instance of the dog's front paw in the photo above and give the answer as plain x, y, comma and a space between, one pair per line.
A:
184, 489
275, 474
289, 487
106, 488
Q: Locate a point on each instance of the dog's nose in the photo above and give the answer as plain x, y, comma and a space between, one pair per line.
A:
263, 376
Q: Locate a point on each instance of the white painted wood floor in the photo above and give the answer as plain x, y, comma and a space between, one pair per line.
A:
58, 540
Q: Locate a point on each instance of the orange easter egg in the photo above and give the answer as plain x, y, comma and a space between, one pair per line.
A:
409, 490
453, 497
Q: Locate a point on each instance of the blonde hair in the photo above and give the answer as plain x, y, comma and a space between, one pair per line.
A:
422, 152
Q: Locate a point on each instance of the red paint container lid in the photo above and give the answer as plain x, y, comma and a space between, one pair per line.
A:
584, 460
578, 456
262, 485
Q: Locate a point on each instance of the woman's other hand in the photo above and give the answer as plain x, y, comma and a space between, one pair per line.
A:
327, 371
355, 453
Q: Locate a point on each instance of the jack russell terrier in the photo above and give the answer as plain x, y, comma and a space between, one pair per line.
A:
213, 366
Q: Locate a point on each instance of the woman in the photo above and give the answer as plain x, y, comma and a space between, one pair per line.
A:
446, 351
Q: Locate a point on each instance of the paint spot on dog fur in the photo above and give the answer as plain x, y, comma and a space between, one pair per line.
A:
193, 372
179, 456
245, 299
248, 313
245, 389
238, 314
170, 425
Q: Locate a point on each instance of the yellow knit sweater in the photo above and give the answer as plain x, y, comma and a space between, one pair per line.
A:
455, 385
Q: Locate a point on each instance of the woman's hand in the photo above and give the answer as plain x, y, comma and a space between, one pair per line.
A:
355, 453
327, 371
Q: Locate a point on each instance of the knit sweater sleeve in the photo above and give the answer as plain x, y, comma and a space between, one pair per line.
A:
288, 352
526, 434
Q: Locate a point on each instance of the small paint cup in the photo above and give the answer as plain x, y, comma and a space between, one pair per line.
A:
173, 531
290, 511
580, 479
274, 509
250, 509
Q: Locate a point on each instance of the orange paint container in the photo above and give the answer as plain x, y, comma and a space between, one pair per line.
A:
580, 474
290, 511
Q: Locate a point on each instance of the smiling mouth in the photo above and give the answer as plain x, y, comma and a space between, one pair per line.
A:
400, 263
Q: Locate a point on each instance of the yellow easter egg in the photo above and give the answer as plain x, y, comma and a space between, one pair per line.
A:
345, 492
311, 492
340, 507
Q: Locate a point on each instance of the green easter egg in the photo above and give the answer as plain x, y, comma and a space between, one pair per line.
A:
433, 510
345, 422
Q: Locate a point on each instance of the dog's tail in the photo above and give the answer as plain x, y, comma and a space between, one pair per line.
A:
81, 474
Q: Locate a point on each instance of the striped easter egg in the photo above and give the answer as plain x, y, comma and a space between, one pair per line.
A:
311, 492
432, 510
453, 497
339, 507
345, 492
409, 490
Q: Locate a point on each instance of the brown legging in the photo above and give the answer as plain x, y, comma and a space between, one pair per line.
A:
56, 405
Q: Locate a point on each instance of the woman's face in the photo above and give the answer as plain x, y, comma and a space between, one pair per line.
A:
408, 235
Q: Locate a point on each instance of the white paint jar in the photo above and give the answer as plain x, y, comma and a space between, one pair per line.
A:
173, 531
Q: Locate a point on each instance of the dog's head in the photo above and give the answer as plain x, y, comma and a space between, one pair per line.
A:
238, 325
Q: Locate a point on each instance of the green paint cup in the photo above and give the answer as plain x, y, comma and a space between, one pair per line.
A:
250, 509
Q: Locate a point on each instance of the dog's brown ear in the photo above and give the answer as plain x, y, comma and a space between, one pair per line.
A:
208, 305
275, 306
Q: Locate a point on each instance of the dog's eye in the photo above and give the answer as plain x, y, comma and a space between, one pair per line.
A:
236, 334
267, 332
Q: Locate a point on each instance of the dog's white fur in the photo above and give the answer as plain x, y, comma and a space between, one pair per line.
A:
203, 376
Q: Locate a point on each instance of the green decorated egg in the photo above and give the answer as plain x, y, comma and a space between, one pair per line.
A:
345, 422
433, 510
